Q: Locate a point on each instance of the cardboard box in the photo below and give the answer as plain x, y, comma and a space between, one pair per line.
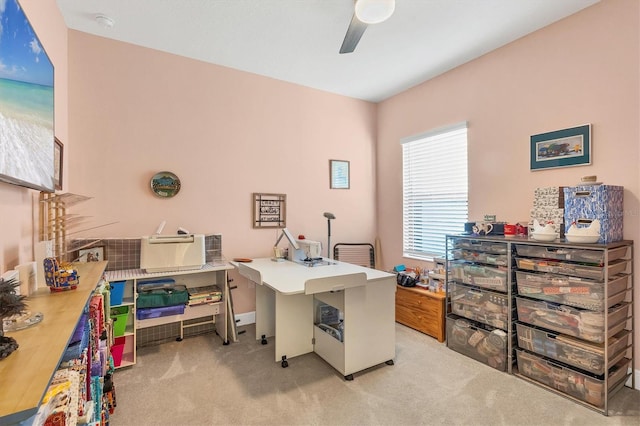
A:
584, 204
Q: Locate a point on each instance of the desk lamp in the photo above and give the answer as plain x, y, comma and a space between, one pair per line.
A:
329, 216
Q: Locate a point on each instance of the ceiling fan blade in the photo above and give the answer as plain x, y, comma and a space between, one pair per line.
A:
354, 32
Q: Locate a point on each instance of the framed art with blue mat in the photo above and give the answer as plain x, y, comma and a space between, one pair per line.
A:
561, 148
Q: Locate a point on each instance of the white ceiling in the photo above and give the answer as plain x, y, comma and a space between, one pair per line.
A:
298, 40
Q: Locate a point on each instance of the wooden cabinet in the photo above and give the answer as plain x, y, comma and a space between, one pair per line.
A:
421, 310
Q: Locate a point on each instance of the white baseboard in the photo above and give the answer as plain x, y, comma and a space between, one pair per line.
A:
637, 374
246, 318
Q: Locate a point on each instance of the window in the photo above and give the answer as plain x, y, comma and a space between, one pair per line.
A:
435, 190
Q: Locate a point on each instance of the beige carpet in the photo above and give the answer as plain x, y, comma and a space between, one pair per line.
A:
201, 382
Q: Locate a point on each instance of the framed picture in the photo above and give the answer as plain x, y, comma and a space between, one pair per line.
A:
338, 174
58, 152
561, 148
94, 254
269, 210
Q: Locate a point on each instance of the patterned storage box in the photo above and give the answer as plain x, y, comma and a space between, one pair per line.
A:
583, 204
572, 351
482, 343
571, 382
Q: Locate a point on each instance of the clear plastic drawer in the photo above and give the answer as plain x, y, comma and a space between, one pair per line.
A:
587, 325
572, 254
572, 291
571, 382
573, 269
477, 341
570, 350
484, 306
486, 246
481, 257
493, 278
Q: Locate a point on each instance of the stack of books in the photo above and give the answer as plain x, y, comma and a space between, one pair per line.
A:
204, 295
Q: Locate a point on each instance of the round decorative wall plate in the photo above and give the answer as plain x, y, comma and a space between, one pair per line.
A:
165, 184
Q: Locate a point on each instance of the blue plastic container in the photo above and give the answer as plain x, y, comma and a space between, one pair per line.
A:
117, 292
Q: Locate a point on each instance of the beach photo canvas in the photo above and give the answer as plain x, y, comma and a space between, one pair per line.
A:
26, 103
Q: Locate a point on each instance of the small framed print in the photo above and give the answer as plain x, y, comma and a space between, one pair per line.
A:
561, 148
338, 174
58, 156
94, 254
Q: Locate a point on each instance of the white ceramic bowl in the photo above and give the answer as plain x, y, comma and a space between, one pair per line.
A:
539, 236
583, 239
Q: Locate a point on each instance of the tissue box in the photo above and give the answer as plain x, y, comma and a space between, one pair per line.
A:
584, 204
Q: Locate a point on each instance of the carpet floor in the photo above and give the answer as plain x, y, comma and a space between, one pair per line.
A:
199, 381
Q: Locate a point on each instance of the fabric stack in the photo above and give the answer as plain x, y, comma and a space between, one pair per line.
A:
204, 295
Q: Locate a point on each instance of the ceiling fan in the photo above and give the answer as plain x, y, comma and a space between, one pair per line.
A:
365, 12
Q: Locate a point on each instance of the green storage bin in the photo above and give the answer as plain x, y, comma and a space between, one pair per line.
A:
161, 297
119, 316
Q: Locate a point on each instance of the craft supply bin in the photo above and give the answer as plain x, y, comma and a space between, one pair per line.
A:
571, 382
572, 291
587, 325
487, 307
480, 275
483, 343
573, 351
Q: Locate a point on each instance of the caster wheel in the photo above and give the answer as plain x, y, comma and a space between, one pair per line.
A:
285, 363
226, 342
349, 377
390, 362
178, 339
264, 340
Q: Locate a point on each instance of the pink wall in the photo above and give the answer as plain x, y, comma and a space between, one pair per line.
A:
17, 204
226, 134
584, 69
126, 112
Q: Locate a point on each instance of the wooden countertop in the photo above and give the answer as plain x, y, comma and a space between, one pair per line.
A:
26, 373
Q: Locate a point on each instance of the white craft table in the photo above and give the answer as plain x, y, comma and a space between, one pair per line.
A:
287, 294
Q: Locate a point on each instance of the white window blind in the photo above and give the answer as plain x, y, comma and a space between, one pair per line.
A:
435, 190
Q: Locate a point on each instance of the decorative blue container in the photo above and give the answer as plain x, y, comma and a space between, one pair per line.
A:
586, 203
